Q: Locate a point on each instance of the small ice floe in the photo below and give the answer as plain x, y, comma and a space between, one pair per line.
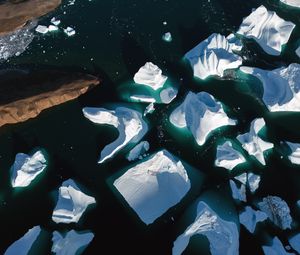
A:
24, 244
71, 204
294, 157
71, 243
143, 98
167, 37
242, 178
149, 109
252, 143
281, 87
295, 242
154, 186
276, 248
228, 157
129, 123
293, 3
168, 95
223, 236
69, 31
42, 29
201, 113
55, 21
249, 218
253, 182
269, 30
138, 151
277, 210
26, 168
298, 52
238, 193
52, 28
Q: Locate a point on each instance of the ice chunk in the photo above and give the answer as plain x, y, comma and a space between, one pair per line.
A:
249, 218
167, 37
213, 56
294, 157
168, 95
71, 204
242, 178
228, 157
52, 28
72, 243
252, 143
69, 31
154, 186
150, 75
298, 52
129, 123
143, 98
281, 87
201, 113
24, 244
294, 3
222, 235
26, 168
149, 109
42, 29
295, 242
276, 248
277, 210
253, 182
238, 193
138, 150
55, 22
269, 30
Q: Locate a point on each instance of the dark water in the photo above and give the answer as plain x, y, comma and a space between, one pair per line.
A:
114, 38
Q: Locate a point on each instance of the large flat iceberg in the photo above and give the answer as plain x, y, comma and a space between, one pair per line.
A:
294, 3
249, 218
154, 186
129, 123
201, 113
269, 30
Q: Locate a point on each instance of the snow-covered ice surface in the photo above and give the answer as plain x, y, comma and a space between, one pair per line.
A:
281, 87
129, 123
269, 30
294, 3
238, 193
201, 113
295, 242
276, 248
213, 56
294, 157
71, 204
153, 186
249, 218
138, 151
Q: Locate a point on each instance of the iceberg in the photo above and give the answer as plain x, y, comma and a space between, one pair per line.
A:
129, 123
294, 157
252, 143
71, 243
71, 204
238, 193
55, 21
228, 157
242, 178
149, 109
201, 113
293, 3
52, 28
222, 235
213, 56
168, 95
281, 87
24, 244
269, 30
167, 37
138, 151
295, 242
69, 31
253, 182
249, 218
26, 168
277, 210
298, 52
42, 29
143, 98
276, 248
153, 186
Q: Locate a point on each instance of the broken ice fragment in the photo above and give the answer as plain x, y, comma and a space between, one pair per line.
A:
294, 157
276, 248
52, 28
294, 3
253, 182
167, 37
238, 193
149, 109
295, 242
55, 22
138, 150
143, 98
249, 218
298, 52
242, 178
69, 31
168, 95
42, 29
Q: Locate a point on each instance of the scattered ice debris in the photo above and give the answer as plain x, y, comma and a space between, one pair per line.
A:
42, 29
277, 210
168, 95
71, 243
242, 178
294, 3
201, 113
252, 143
295, 242
55, 22
69, 31
238, 193
294, 157
213, 56
149, 109
249, 218
167, 37
71, 204
26, 168
154, 186
138, 151
281, 87
276, 248
253, 182
269, 30
222, 235
129, 123
298, 52
24, 244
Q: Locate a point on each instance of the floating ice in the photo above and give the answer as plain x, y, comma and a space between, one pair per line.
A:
276, 248
238, 193
294, 157
71, 204
24, 244
277, 210
201, 113
129, 123
269, 30
52, 28
213, 56
143, 98
72, 243
298, 52
222, 235
55, 22
295, 242
249, 218
242, 178
26, 168
281, 87
167, 37
42, 29
294, 3
168, 95
252, 143
154, 186
149, 109
69, 31
138, 150
253, 182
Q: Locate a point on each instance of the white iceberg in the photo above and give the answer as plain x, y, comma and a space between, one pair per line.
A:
154, 186
138, 151
294, 3
201, 113
168, 95
276, 248
238, 193
42, 29
269, 30
242, 178
281, 87
150, 75
213, 56
228, 157
167, 37
253, 182
129, 123
294, 157
252, 143
24, 244
69, 31
71, 204
298, 52
249, 218
71, 243
52, 28
277, 210
55, 21
295, 242
26, 168
222, 235
149, 109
